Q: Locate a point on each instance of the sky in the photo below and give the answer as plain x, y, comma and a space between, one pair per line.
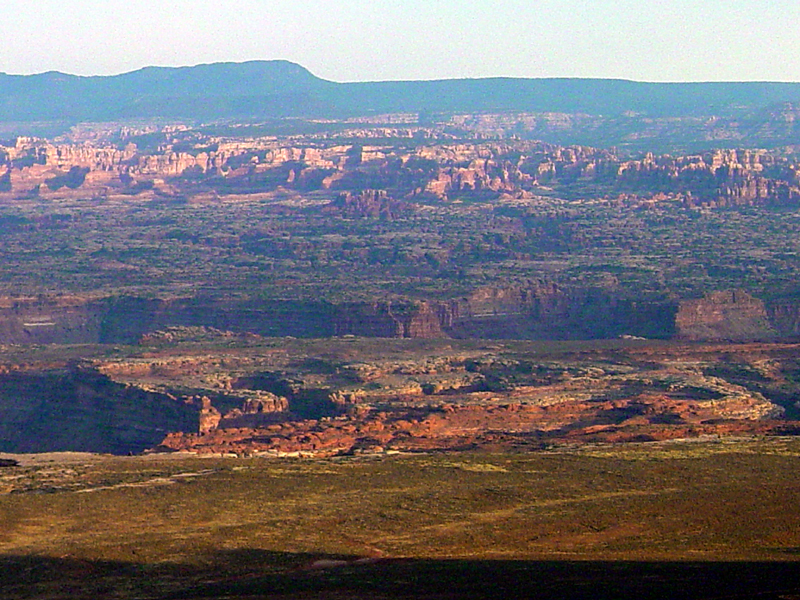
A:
376, 40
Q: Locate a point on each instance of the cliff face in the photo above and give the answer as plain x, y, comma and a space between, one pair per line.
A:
547, 311
784, 315
81, 410
785, 318
130, 318
727, 315
535, 311
389, 319
61, 320
127, 319
263, 409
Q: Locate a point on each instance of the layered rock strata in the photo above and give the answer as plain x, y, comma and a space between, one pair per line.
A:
726, 315
537, 311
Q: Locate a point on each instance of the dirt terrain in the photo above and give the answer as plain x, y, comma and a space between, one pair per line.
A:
655, 520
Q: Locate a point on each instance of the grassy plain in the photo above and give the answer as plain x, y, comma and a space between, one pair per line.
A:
702, 519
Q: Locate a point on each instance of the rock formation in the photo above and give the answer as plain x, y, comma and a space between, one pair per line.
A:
508, 168
728, 315
374, 204
257, 411
388, 319
209, 417
269, 396
50, 320
538, 310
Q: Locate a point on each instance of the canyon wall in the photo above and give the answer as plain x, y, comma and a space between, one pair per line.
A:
50, 320
547, 311
784, 315
77, 409
727, 315
128, 318
535, 311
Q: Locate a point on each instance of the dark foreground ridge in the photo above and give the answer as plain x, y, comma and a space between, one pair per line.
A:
254, 574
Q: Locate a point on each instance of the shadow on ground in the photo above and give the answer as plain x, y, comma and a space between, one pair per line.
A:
252, 574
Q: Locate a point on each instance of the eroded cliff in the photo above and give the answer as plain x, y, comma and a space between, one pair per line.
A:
538, 310
77, 409
726, 315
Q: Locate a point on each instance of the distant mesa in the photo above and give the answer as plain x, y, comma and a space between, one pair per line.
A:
277, 89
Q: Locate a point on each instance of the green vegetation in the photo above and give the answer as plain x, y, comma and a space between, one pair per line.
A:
258, 245
156, 528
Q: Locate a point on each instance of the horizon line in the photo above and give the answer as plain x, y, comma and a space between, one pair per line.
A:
404, 80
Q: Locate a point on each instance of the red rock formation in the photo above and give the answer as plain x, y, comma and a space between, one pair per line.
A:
209, 417
452, 427
369, 203
255, 412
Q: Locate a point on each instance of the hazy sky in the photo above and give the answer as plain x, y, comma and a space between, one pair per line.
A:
367, 40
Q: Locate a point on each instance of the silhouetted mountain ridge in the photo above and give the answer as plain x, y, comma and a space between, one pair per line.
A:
277, 89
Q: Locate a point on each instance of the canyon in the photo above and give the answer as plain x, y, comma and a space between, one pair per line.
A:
117, 232
208, 391
208, 271
537, 312
263, 334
